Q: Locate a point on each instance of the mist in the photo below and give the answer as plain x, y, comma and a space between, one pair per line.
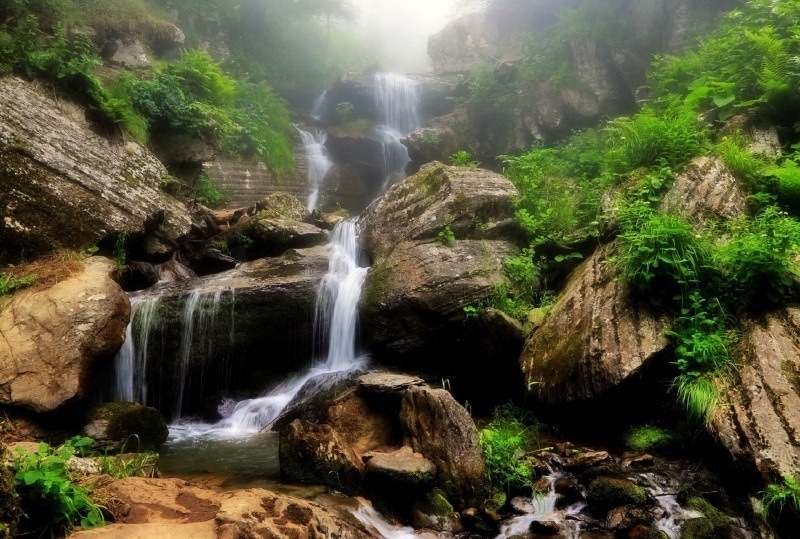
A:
397, 30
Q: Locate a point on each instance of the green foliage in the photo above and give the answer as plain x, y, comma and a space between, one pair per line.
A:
10, 284
663, 257
757, 260
777, 498
505, 442
786, 185
430, 139
749, 168
120, 254
134, 465
344, 111
446, 236
463, 158
652, 138
698, 396
208, 193
47, 492
647, 438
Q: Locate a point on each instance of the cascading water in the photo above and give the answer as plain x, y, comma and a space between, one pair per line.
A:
336, 316
319, 106
130, 365
319, 162
397, 101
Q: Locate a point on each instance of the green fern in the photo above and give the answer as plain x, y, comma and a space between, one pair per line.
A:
774, 63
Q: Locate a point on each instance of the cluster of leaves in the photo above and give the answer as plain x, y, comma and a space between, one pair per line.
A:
208, 193
10, 284
779, 497
47, 492
506, 441
463, 158
135, 465
446, 236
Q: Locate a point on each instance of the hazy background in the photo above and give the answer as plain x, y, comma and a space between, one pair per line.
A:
398, 30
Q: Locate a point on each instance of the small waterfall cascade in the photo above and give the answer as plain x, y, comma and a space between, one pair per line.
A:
336, 317
398, 103
319, 106
319, 162
130, 365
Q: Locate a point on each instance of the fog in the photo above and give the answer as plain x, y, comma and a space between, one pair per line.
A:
398, 30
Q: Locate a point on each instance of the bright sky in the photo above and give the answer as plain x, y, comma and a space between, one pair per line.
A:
400, 29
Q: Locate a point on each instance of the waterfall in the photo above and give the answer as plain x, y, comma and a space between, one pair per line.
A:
130, 365
336, 317
397, 101
319, 163
319, 104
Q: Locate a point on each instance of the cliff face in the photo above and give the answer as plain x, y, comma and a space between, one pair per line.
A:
65, 186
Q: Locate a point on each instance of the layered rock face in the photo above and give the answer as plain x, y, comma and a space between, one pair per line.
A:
422, 279
54, 338
383, 434
65, 186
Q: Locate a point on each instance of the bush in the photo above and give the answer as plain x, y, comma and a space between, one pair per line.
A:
505, 442
777, 498
463, 158
758, 260
786, 178
48, 494
446, 236
663, 258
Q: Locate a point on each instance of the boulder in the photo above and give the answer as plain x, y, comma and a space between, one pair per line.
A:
706, 191
387, 382
116, 426
175, 150
210, 260
52, 338
607, 493
402, 467
62, 185
758, 420
434, 512
128, 53
596, 70
138, 275
439, 428
595, 338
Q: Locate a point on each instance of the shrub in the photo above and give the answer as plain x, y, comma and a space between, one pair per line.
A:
758, 259
649, 438
786, 178
47, 492
463, 158
10, 284
446, 236
663, 258
776, 498
344, 111
505, 442
654, 138
206, 191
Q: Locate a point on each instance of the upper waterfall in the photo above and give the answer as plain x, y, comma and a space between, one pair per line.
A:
397, 101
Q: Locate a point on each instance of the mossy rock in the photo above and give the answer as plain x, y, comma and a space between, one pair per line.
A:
124, 425
720, 523
698, 528
9, 499
434, 512
606, 493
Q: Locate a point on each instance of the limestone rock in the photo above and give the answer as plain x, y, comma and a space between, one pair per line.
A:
759, 419
595, 338
401, 467
115, 424
62, 185
387, 382
52, 338
442, 430
128, 53
706, 191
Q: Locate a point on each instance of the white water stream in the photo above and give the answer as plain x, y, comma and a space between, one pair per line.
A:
336, 316
398, 103
319, 162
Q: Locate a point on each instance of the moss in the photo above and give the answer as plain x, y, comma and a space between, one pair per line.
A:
606, 493
429, 181
649, 438
698, 528
380, 282
9, 500
139, 427
720, 523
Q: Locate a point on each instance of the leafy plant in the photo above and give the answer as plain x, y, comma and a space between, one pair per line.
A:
344, 111
135, 465
505, 443
207, 191
446, 236
744, 165
463, 158
10, 284
786, 180
120, 249
777, 498
47, 492
698, 396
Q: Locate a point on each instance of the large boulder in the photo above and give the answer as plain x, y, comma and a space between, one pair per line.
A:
63, 185
116, 426
595, 338
422, 279
54, 338
229, 334
758, 421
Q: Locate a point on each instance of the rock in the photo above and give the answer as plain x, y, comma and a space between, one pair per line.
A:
210, 261
706, 191
523, 504
282, 205
587, 459
479, 522
758, 420
65, 186
568, 490
595, 338
638, 461
127, 53
435, 513
138, 275
53, 337
432, 143
81, 466
117, 426
275, 236
173, 271
400, 468
316, 397
607, 493
176, 150
262, 316
442, 430
415, 294
362, 149
10, 510
544, 527
317, 453
595, 68
626, 518
387, 382
176, 509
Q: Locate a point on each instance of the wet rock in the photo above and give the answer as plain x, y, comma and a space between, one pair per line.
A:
626, 518
273, 236
706, 191
595, 68
758, 420
54, 338
62, 185
595, 338
317, 453
210, 261
402, 467
434, 512
607, 493
587, 459
638, 461
568, 490
115, 425
387, 382
544, 527
522, 504
173, 271
443, 431
138, 275
479, 521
